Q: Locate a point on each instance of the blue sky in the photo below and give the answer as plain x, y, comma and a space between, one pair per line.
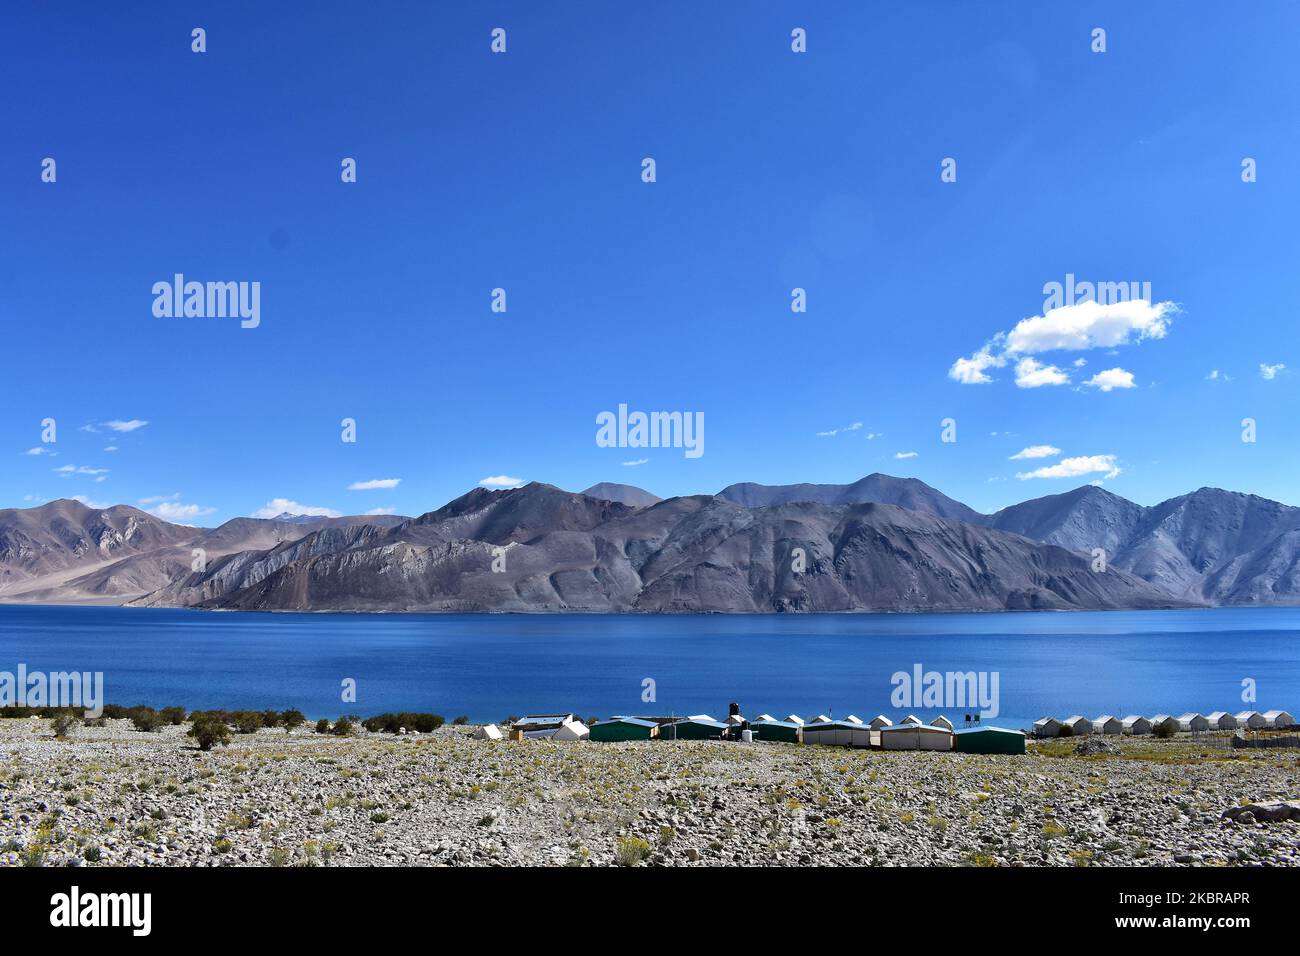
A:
522, 171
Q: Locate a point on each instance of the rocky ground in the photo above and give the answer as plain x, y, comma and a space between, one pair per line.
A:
112, 795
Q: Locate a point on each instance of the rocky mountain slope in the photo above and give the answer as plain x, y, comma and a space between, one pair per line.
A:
538, 548
881, 543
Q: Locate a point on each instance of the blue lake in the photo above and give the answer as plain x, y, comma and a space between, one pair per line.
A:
488, 666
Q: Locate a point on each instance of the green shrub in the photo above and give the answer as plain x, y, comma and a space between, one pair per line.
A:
629, 851
342, 727
172, 715
392, 723
247, 721
145, 719
322, 726
291, 719
208, 731
461, 721
1066, 731
1163, 731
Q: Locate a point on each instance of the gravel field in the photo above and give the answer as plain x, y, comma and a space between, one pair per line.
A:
113, 795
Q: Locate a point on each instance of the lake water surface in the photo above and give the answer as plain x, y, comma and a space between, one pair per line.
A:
488, 666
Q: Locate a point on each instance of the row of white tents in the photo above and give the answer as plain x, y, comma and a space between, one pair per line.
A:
1189, 722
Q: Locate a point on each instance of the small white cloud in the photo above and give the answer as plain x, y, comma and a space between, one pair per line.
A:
382, 511
1080, 362
279, 506
39, 450
835, 431
1111, 379
1036, 451
905, 454
155, 499
1031, 373
974, 370
126, 426
500, 481
872, 436
111, 448
1075, 468
374, 483
174, 511
67, 471
636, 463
97, 505
1270, 372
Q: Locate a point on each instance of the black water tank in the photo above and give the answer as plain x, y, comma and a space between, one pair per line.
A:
733, 709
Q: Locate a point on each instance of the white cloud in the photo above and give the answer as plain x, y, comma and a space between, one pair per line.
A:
279, 506
1031, 373
374, 483
1080, 362
1269, 372
636, 463
1036, 451
1091, 325
835, 431
126, 426
974, 370
1075, 468
500, 481
905, 454
111, 448
872, 436
39, 450
97, 505
1111, 379
174, 511
1216, 376
1069, 328
155, 499
67, 471
382, 511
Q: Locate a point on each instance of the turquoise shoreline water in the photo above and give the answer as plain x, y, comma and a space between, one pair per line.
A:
488, 666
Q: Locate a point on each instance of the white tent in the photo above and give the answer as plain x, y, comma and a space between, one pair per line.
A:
820, 719
488, 732
1222, 720
912, 719
838, 733
853, 719
879, 721
1080, 725
1107, 724
941, 721
794, 719
1164, 720
1278, 718
764, 718
1193, 721
1136, 724
916, 737
572, 730
1251, 719
1047, 727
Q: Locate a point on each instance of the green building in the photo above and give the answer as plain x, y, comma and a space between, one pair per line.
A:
624, 728
990, 740
778, 730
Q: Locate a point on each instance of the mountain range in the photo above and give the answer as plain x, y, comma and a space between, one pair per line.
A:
878, 544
